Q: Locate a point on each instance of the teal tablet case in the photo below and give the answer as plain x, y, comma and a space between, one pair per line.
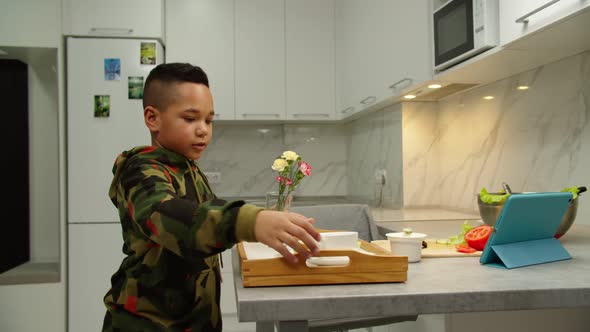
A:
524, 232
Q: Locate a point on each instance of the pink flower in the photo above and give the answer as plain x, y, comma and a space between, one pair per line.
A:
283, 179
305, 168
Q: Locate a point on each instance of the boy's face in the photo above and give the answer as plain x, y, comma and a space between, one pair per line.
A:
185, 126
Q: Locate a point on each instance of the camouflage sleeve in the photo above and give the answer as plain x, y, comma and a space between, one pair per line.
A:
180, 225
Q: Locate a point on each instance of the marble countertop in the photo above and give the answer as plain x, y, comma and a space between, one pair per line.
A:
420, 214
380, 214
434, 285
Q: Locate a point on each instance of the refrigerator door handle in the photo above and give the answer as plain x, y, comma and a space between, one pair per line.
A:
110, 31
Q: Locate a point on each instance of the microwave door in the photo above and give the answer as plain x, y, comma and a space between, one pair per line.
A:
453, 31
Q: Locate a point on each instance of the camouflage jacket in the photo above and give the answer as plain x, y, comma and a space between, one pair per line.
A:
173, 227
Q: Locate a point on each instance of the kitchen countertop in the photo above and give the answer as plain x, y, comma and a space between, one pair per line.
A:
434, 285
420, 214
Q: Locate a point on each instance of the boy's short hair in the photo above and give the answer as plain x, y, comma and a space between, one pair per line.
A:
157, 90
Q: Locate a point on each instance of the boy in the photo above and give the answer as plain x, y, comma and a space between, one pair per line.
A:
173, 225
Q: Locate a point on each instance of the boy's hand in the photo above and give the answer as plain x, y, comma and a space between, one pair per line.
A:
276, 228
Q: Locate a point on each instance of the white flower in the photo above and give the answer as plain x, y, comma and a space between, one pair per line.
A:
290, 155
279, 164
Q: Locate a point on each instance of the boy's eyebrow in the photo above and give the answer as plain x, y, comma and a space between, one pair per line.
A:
194, 110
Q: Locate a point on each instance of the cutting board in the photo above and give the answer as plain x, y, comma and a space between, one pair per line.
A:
434, 250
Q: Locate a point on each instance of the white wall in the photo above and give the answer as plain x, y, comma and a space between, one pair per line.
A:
35, 307
37, 23
43, 147
30, 23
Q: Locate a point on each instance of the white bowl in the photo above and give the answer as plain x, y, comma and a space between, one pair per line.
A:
406, 244
338, 240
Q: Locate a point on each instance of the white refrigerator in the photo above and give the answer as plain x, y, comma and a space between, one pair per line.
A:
98, 129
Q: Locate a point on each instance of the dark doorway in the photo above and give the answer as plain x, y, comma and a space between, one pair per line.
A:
15, 149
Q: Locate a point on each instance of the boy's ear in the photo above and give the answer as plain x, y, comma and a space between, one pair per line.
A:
151, 117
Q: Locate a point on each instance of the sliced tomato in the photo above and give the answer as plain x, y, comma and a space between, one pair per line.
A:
477, 237
464, 248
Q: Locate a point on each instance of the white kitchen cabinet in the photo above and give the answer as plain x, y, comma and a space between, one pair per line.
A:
382, 47
548, 12
260, 59
349, 61
94, 255
30, 23
114, 18
201, 32
309, 30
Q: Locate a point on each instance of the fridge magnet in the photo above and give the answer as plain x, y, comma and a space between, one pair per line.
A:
148, 53
135, 87
102, 106
112, 69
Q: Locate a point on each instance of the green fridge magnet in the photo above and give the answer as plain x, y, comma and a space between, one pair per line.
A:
148, 53
135, 87
102, 106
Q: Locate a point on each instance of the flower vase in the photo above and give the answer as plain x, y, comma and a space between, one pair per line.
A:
278, 202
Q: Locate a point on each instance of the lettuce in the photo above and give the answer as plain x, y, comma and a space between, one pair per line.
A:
573, 190
492, 198
459, 238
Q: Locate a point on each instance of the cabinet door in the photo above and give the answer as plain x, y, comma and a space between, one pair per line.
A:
379, 44
309, 31
350, 35
400, 52
201, 32
129, 18
510, 11
260, 59
94, 255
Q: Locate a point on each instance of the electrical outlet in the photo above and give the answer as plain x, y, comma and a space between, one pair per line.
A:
213, 177
380, 176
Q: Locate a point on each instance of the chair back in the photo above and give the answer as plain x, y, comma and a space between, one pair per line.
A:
342, 217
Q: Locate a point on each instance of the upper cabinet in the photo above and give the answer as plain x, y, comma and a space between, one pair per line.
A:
30, 23
201, 32
114, 18
309, 30
519, 18
260, 59
382, 47
266, 59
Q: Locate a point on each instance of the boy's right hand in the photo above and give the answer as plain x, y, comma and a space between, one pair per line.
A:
277, 228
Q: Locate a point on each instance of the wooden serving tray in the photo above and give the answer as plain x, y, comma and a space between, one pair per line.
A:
363, 268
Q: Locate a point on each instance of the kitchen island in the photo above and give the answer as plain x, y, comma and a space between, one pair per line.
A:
434, 286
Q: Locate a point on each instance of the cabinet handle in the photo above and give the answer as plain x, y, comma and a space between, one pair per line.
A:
275, 115
524, 18
300, 115
346, 110
369, 100
396, 84
106, 31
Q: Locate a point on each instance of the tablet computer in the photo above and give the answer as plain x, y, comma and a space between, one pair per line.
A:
524, 231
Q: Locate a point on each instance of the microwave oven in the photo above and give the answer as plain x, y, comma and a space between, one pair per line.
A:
463, 29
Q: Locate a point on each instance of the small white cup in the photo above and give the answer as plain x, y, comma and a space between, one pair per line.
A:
406, 244
338, 240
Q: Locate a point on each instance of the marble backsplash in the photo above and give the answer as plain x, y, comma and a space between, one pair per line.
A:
343, 156
243, 155
375, 143
535, 140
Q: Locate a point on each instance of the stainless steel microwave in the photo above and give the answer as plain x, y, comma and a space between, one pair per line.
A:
463, 29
